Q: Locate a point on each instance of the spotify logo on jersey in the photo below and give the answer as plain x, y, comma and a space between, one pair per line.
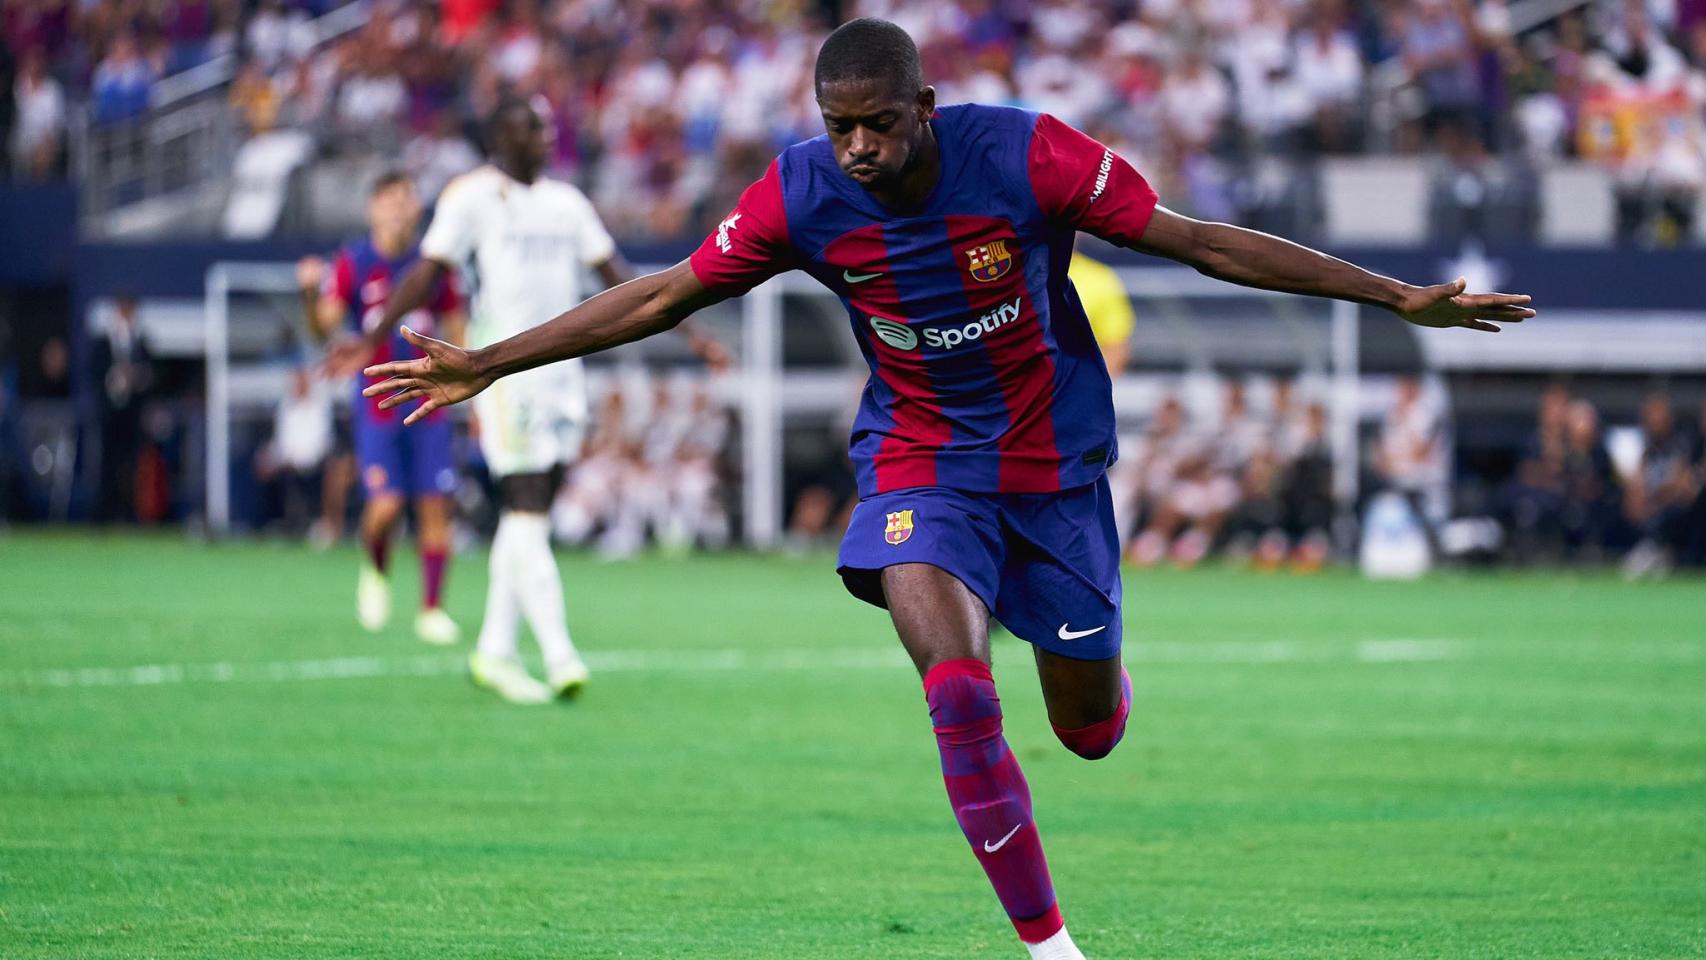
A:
894, 333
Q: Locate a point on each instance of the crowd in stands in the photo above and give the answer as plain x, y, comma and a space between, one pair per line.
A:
1582, 493
664, 109
1254, 482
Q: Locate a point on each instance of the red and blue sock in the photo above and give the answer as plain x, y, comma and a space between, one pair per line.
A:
991, 800
378, 551
432, 576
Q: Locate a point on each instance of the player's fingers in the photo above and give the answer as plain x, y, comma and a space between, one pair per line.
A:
1505, 314
397, 368
1497, 299
429, 406
387, 386
401, 397
1481, 325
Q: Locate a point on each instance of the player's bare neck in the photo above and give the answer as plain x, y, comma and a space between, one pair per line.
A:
917, 183
521, 173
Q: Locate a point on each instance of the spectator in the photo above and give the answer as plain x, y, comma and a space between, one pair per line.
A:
1439, 53
1658, 495
440, 155
37, 138
1589, 515
1412, 455
1329, 75
124, 372
293, 462
122, 82
278, 35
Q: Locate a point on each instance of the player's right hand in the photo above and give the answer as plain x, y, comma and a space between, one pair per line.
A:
310, 273
446, 375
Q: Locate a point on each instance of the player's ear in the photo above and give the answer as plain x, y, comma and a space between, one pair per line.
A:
926, 103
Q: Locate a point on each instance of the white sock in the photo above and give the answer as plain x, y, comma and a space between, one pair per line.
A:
539, 585
1057, 947
503, 613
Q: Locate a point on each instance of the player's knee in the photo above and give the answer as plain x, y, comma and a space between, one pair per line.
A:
1099, 739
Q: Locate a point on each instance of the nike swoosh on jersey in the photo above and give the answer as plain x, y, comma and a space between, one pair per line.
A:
992, 847
1068, 634
852, 277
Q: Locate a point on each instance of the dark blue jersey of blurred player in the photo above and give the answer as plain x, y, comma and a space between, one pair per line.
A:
344, 301
987, 424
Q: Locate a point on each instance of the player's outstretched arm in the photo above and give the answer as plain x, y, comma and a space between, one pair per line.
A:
632, 311
1255, 259
412, 292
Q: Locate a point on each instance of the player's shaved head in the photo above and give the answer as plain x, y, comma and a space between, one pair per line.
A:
869, 50
876, 108
517, 137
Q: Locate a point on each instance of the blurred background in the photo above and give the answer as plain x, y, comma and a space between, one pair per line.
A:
167, 161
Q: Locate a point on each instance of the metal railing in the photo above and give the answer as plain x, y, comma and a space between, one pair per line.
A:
183, 144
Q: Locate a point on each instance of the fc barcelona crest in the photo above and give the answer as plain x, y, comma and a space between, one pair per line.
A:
990, 261
900, 527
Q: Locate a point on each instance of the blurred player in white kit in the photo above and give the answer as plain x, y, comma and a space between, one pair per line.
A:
523, 242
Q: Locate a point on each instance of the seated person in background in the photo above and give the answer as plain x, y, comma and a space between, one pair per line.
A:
1588, 512
1411, 455
1657, 496
301, 442
1532, 503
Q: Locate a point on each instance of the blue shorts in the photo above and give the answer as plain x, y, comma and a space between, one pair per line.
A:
412, 461
1047, 565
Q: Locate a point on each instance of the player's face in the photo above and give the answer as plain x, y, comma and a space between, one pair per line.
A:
394, 210
525, 141
876, 133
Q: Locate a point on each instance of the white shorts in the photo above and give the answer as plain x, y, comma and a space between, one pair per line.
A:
534, 420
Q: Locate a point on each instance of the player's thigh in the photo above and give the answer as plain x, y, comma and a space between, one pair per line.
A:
930, 556
1060, 591
1078, 693
530, 492
936, 615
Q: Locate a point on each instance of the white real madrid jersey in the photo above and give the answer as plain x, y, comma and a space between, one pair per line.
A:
523, 248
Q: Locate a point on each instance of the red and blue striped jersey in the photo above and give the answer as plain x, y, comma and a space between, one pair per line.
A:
362, 278
984, 373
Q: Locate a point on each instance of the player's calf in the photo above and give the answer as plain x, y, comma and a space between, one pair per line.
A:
1097, 740
990, 797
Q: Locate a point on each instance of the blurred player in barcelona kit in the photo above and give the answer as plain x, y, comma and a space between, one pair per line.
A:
524, 240
988, 423
394, 464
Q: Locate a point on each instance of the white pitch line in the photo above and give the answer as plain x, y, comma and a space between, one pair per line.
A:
704, 661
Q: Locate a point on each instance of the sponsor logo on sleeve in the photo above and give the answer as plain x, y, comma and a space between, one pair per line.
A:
1102, 173
723, 229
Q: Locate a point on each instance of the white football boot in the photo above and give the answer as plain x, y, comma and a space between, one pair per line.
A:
568, 678
434, 626
372, 599
507, 679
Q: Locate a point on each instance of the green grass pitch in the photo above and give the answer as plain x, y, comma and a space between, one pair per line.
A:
1506, 766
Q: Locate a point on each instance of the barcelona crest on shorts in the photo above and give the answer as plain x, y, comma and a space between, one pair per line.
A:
900, 527
990, 261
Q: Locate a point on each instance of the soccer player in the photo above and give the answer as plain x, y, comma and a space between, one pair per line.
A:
987, 423
525, 238
395, 464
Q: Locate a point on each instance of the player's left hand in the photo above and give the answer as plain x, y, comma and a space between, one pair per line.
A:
447, 374
716, 356
345, 357
1446, 305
